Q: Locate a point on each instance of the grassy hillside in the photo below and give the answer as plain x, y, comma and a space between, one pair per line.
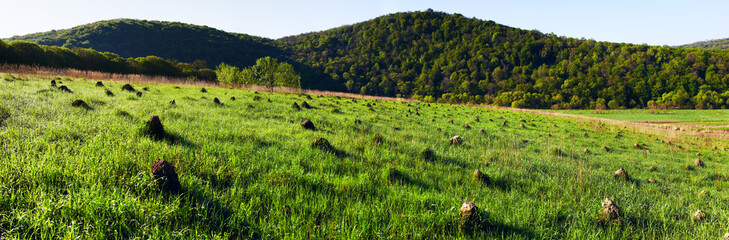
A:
248, 169
712, 44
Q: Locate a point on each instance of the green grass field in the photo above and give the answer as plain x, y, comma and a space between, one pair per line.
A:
248, 170
681, 115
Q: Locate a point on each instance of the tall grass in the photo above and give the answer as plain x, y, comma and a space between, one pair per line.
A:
248, 170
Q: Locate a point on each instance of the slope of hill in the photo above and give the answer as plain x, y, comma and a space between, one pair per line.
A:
170, 40
248, 169
712, 44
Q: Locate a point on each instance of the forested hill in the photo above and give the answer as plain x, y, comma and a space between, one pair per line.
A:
170, 40
712, 44
435, 56
458, 59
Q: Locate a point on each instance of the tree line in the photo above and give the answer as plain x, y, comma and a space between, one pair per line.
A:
28, 53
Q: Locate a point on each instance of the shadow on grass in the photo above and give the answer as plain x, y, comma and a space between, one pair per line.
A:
176, 139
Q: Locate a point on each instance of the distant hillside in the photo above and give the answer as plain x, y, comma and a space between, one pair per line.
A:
435, 56
713, 44
170, 40
432, 55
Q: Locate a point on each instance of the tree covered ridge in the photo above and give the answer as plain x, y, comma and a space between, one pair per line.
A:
712, 44
450, 58
170, 40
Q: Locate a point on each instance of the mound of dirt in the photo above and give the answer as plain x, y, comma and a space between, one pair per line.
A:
80, 103
128, 87
172, 102
308, 125
322, 144
109, 93
456, 140
217, 101
296, 106
139, 94
63, 88
306, 105
609, 209
99, 84
470, 217
154, 129
699, 163
53, 83
232, 98
203, 90
698, 216
164, 174
621, 174
480, 177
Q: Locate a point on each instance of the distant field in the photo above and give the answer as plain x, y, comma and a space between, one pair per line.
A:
248, 169
720, 115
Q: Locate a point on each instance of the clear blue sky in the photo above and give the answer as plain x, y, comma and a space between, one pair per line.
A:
653, 22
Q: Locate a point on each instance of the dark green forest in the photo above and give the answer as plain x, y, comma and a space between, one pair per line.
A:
435, 56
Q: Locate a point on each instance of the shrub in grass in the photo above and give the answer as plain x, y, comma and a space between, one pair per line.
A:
427, 154
63, 88
322, 144
153, 128
378, 138
128, 87
307, 124
621, 174
456, 140
99, 84
165, 176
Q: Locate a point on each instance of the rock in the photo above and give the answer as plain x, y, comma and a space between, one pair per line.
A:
621, 174
699, 163
99, 84
164, 174
698, 215
154, 129
456, 140
322, 144
63, 88
128, 87
109, 93
308, 125
610, 210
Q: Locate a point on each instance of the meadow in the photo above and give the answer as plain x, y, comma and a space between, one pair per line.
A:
248, 169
